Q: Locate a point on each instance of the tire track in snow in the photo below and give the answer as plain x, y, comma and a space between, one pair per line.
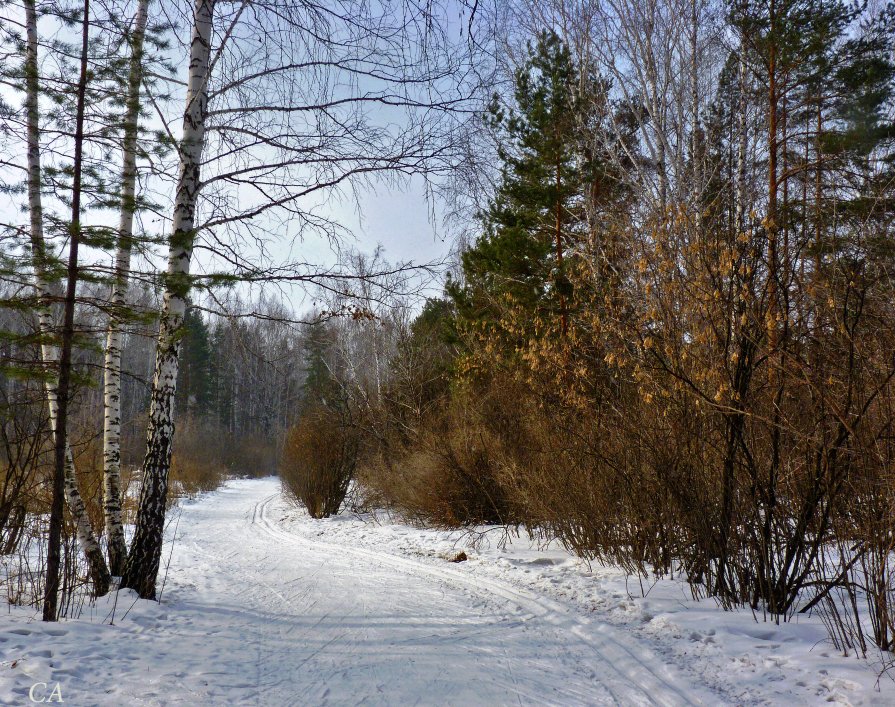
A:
637, 680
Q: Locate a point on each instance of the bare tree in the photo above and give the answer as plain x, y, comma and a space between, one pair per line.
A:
117, 549
286, 102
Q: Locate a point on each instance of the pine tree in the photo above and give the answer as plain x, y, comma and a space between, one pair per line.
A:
536, 212
320, 388
562, 183
194, 378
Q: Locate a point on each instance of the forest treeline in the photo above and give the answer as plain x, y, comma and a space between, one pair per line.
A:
669, 341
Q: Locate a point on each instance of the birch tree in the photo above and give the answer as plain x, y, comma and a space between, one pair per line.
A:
143, 560
285, 104
117, 549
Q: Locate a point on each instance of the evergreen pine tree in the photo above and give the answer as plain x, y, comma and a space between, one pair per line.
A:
194, 389
519, 258
320, 388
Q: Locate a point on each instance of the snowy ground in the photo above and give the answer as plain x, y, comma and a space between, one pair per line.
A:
264, 606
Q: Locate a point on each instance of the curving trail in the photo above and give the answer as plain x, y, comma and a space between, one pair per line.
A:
257, 612
610, 666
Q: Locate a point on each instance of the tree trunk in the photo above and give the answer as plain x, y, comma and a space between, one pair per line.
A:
112, 366
142, 565
65, 486
563, 314
771, 225
695, 146
38, 256
740, 189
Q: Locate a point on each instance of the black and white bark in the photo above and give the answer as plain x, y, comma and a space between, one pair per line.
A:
696, 188
143, 559
117, 548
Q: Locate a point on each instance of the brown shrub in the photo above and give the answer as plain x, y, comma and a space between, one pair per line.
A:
196, 465
319, 459
22, 459
87, 449
446, 473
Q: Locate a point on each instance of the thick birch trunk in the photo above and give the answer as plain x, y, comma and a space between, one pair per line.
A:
143, 560
49, 353
112, 366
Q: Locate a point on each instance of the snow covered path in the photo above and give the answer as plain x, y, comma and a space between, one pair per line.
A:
255, 614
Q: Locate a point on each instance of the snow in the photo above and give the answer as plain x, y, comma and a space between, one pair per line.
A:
264, 606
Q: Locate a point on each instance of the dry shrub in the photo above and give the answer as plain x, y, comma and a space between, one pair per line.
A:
252, 455
319, 459
447, 476
192, 473
26, 470
87, 449
669, 448
22, 453
196, 466
859, 572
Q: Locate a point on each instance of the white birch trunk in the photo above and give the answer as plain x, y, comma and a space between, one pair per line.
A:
49, 353
741, 146
695, 146
112, 365
657, 114
145, 553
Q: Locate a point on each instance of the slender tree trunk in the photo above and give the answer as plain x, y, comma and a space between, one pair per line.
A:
38, 255
656, 109
818, 197
564, 316
695, 147
65, 485
112, 366
142, 565
63, 383
663, 180
740, 189
771, 225
768, 494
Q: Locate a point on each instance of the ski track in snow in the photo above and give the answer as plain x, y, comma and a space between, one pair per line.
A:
258, 610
